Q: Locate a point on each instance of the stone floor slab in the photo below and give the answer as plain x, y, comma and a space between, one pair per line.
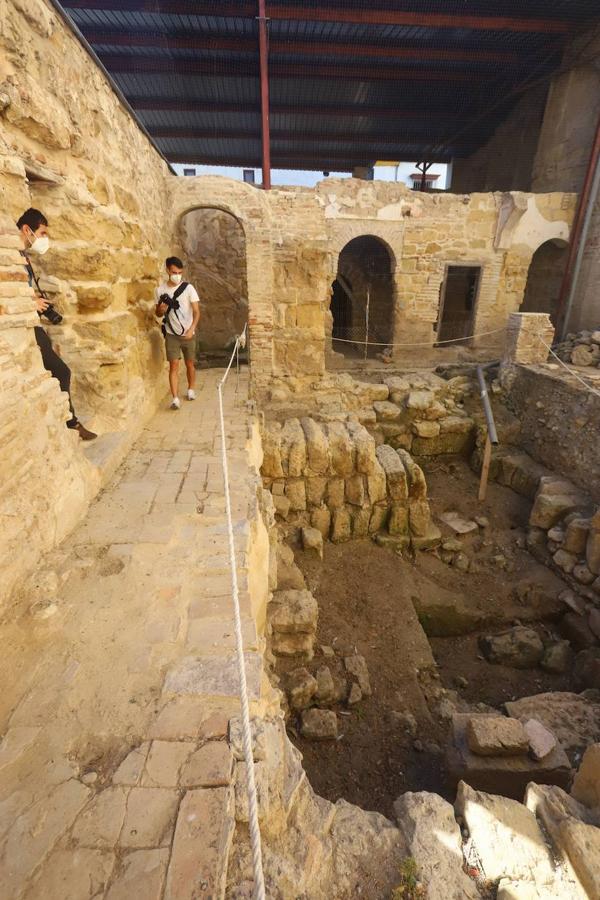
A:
215, 676
141, 874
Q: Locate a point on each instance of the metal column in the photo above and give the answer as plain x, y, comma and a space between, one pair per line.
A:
264, 95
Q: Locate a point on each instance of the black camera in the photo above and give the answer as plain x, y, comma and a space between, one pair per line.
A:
172, 303
50, 313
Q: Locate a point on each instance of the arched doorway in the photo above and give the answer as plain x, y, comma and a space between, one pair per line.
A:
544, 279
362, 298
214, 248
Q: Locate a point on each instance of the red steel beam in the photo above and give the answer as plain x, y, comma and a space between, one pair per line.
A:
351, 111
321, 137
187, 41
264, 96
239, 9
125, 63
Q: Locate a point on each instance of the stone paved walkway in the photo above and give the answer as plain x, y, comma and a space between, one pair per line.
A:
119, 678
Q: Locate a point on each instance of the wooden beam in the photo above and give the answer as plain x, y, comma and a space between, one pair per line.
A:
206, 41
295, 12
127, 63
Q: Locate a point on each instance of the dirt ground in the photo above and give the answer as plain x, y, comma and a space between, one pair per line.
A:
364, 594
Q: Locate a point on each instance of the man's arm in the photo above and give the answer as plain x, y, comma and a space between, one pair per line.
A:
196, 318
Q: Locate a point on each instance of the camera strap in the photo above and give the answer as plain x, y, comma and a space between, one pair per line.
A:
175, 296
32, 274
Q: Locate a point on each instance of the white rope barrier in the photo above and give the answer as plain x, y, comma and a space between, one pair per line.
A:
434, 343
569, 370
255, 840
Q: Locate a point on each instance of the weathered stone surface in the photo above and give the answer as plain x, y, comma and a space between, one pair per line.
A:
140, 873
66, 874
507, 836
164, 763
317, 447
426, 429
259, 738
420, 400
435, 843
574, 720
271, 443
315, 490
355, 490
301, 688
558, 657
355, 694
99, 825
398, 521
203, 836
215, 676
293, 449
312, 542
341, 526
386, 411
130, 770
519, 647
458, 523
592, 551
586, 784
209, 766
565, 561
341, 449
541, 741
293, 612
594, 622
554, 499
325, 685
508, 775
300, 646
295, 492
572, 830
321, 519
357, 667
576, 629
319, 725
586, 671
394, 471
576, 536
149, 818
496, 736
417, 485
443, 614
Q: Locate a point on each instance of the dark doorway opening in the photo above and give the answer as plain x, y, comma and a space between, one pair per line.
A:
457, 303
362, 298
544, 279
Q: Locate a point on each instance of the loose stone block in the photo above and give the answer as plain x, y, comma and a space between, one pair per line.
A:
592, 551
357, 666
319, 725
576, 536
210, 766
496, 736
293, 612
586, 784
312, 542
520, 647
301, 687
325, 685
203, 836
541, 741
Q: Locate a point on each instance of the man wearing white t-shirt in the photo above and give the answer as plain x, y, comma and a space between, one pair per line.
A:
178, 303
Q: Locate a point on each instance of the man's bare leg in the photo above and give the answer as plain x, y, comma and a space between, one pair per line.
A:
174, 377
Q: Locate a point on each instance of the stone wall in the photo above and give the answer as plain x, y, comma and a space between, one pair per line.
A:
215, 258
335, 477
559, 423
69, 147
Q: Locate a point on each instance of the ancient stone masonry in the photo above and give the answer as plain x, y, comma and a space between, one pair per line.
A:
334, 477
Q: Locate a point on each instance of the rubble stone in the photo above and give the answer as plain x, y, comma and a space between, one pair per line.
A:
357, 666
496, 736
519, 647
301, 688
541, 741
319, 725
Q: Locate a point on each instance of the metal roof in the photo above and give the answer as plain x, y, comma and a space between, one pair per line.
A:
350, 82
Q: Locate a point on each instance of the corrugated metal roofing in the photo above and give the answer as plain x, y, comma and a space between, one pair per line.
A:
356, 80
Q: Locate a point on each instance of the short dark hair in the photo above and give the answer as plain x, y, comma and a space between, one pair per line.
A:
32, 217
173, 261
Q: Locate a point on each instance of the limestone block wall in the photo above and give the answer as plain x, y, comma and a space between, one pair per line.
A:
214, 253
69, 147
335, 477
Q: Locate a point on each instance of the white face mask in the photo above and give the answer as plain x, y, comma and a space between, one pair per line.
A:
175, 277
40, 244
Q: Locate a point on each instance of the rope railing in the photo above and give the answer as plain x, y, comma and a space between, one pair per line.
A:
568, 368
433, 343
255, 839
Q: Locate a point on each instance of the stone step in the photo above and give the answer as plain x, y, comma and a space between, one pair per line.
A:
574, 831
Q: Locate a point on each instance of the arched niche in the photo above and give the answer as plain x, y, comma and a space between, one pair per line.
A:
362, 297
544, 278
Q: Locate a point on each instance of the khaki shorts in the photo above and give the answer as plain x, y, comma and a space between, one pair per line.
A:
177, 347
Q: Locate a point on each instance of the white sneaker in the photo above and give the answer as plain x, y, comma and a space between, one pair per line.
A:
175, 403
191, 394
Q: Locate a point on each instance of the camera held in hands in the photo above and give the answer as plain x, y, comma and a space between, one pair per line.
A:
51, 314
172, 303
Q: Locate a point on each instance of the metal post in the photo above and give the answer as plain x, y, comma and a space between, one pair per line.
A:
586, 201
491, 436
264, 95
367, 322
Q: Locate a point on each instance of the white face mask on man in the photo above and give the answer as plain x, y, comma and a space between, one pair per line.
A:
40, 244
175, 277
